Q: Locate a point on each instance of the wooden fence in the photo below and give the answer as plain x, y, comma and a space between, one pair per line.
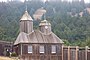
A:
75, 53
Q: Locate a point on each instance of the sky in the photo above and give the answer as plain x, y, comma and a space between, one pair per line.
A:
45, 0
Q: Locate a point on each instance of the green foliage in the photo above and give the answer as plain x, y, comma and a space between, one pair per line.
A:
13, 54
66, 42
88, 42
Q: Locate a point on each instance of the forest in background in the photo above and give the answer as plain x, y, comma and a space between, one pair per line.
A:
64, 17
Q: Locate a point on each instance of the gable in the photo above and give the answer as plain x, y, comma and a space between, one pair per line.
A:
22, 38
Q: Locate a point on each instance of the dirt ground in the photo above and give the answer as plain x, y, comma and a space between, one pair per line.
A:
7, 58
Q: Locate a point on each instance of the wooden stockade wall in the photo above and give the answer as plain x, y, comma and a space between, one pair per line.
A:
75, 53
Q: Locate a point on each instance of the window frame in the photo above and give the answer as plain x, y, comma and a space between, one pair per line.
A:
53, 48
40, 49
30, 47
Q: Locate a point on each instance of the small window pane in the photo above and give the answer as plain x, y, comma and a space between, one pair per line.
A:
41, 49
53, 49
29, 49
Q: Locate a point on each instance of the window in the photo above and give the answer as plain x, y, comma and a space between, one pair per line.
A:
53, 50
41, 50
29, 49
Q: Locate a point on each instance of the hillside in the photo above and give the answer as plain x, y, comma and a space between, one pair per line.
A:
69, 28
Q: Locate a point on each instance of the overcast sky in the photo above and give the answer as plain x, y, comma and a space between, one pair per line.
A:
45, 0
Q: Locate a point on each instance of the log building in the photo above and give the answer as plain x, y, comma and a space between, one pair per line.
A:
40, 44
5, 47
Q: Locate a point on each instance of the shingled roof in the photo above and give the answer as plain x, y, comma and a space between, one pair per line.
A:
26, 16
37, 37
44, 22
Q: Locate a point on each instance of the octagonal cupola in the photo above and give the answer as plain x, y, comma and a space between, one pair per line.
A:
26, 23
45, 27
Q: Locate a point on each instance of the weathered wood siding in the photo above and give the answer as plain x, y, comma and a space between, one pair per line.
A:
36, 55
62, 52
75, 53
81, 55
1, 49
88, 55
65, 54
72, 54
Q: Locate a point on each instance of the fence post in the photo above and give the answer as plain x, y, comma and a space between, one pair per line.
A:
62, 52
76, 52
86, 50
21, 49
68, 52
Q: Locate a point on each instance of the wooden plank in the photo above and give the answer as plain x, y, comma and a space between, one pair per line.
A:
77, 52
86, 50
62, 52
68, 52
21, 49
88, 55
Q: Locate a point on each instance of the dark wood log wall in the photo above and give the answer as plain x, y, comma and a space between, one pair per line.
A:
1, 49
88, 55
62, 53
47, 55
4, 46
81, 54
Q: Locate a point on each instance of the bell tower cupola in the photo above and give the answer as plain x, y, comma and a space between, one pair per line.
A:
26, 23
45, 27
